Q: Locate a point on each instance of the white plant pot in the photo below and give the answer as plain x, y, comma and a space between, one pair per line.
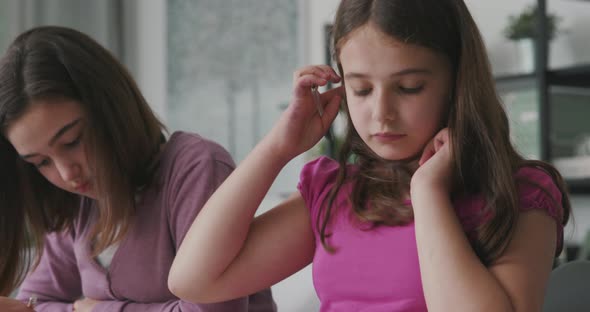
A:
526, 55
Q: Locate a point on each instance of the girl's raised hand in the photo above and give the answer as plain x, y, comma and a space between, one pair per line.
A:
301, 126
435, 169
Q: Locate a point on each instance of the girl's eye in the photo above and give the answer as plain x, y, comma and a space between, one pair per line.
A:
41, 164
75, 142
362, 92
411, 90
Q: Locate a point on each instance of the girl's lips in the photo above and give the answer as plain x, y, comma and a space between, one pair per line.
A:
83, 187
388, 136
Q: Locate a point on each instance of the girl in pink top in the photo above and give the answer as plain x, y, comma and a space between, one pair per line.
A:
428, 208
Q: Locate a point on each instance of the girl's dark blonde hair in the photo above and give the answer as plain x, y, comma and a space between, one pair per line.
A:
485, 159
122, 137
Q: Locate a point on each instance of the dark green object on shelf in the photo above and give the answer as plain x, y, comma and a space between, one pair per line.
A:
524, 25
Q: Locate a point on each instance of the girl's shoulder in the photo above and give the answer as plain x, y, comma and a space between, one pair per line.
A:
537, 191
189, 158
317, 179
325, 165
536, 185
184, 151
191, 146
323, 171
320, 166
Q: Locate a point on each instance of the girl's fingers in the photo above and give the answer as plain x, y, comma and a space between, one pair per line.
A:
326, 96
310, 70
323, 71
428, 152
332, 97
441, 139
327, 104
304, 83
330, 73
438, 142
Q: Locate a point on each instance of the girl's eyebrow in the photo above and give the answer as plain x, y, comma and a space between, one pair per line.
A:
55, 137
407, 71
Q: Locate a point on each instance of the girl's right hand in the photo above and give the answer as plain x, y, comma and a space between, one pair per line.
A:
300, 127
12, 305
85, 305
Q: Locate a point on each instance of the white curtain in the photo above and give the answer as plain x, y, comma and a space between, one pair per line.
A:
133, 30
102, 19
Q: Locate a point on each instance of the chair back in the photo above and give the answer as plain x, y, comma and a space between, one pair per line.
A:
568, 289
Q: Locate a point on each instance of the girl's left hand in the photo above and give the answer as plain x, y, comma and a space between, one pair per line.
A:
13, 305
435, 171
85, 305
301, 125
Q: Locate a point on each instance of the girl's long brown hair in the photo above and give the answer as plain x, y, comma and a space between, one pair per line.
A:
485, 159
122, 137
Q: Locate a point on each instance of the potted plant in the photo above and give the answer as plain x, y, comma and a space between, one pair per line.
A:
523, 30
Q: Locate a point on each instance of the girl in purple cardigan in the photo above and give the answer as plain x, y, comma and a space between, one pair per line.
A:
429, 206
88, 173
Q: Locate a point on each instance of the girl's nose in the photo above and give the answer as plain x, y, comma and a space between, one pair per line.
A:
69, 172
384, 109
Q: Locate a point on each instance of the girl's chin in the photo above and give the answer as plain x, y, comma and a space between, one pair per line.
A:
400, 157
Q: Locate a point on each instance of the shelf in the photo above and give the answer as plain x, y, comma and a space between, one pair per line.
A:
577, 186
508, 78
574, 76
533, 100
515, 82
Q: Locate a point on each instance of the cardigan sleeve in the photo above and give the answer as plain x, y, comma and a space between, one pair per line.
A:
56, 280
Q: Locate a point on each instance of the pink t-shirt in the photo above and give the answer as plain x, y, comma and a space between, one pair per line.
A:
377, 270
